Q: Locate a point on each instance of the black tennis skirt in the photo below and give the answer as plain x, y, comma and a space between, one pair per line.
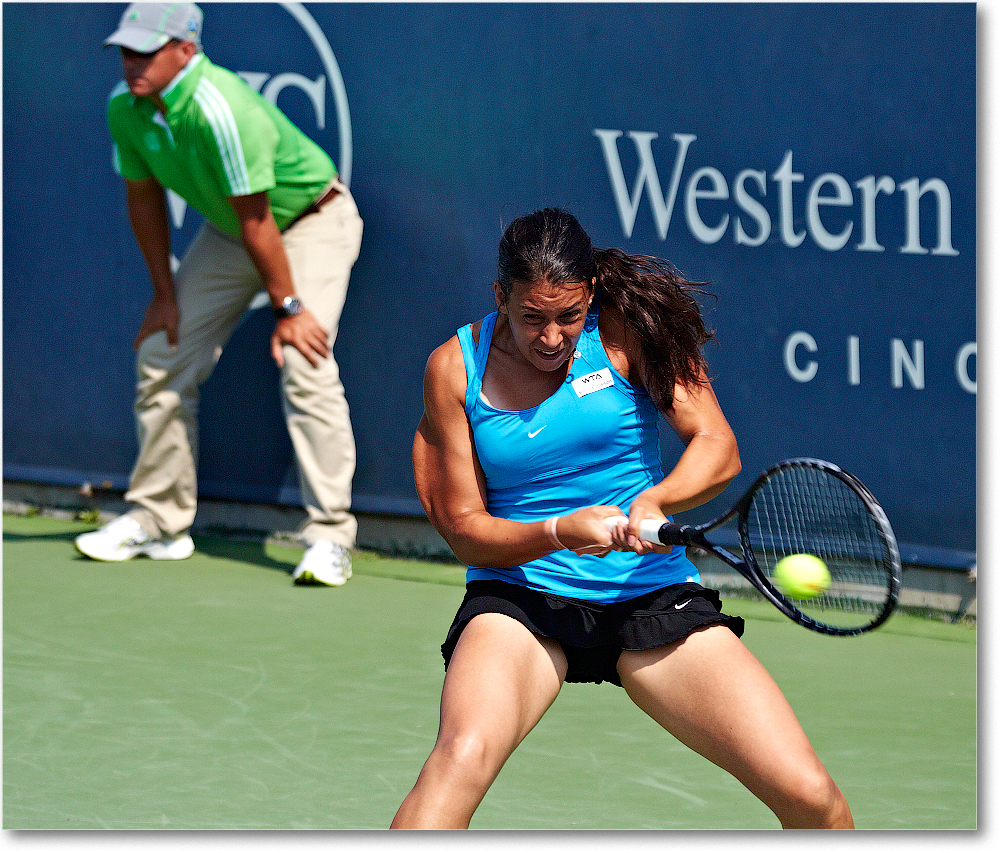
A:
592, 634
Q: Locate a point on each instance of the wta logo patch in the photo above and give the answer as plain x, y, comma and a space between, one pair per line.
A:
592, 382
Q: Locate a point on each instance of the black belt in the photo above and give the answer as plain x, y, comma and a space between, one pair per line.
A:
315, 206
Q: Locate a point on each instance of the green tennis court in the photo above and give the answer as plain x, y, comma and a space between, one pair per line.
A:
214, 694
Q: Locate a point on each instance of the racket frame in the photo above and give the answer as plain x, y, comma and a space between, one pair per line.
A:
671, 533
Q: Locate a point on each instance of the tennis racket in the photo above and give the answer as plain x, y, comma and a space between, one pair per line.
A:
807, 506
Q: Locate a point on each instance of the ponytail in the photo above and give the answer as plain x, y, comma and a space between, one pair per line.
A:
660, 312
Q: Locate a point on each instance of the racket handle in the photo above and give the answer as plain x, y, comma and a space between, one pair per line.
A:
649, 529
664, 532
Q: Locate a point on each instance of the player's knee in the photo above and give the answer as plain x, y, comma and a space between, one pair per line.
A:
817, 802
468, 758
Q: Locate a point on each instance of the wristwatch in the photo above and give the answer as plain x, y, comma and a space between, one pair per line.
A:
290, 306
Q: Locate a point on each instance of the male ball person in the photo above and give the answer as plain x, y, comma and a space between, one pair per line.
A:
277, 216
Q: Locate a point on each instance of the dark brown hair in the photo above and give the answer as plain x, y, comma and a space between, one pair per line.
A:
658, 305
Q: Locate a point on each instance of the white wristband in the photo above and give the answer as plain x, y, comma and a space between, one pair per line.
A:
550, 529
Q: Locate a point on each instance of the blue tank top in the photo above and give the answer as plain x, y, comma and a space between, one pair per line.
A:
595, 441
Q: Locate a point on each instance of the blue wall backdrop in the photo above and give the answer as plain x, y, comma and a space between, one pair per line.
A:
815, 162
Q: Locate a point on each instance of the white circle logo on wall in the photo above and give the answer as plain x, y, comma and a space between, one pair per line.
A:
334, 80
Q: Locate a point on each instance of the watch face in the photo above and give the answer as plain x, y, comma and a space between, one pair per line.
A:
291, 306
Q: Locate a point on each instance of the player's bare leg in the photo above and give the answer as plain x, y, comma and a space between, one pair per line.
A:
713, 695
500, 681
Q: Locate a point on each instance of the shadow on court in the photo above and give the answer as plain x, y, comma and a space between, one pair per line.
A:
254, 553
212, 693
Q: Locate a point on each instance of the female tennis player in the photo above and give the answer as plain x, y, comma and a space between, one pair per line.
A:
540, 421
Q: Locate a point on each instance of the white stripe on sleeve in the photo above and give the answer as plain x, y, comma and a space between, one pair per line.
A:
220, 118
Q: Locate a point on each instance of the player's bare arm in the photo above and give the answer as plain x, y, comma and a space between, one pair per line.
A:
451, 485
263, 243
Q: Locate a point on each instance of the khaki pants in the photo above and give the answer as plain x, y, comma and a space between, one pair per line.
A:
215, 283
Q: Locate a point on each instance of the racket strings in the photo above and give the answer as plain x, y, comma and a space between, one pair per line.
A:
807, 510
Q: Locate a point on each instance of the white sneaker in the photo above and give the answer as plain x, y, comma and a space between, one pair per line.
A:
324, 564
124, 538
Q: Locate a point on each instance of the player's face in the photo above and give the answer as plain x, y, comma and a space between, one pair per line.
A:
148, 74
546, 320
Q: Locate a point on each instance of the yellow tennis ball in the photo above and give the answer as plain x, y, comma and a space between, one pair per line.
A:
802, 576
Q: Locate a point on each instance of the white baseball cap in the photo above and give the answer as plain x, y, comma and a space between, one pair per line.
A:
146, 27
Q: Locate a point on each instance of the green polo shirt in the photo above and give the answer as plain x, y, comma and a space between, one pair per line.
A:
219, 138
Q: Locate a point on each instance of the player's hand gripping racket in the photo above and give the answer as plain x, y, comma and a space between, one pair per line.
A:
807, 506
